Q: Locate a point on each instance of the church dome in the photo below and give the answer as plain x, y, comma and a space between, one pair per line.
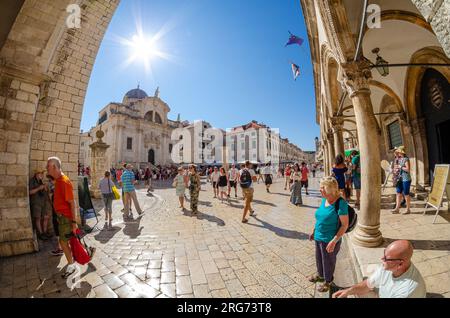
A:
136, 93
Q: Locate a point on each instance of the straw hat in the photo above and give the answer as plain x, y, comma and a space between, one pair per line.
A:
37, 171
400, 149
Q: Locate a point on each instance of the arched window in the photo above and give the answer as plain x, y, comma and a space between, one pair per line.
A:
149, 116
158, 119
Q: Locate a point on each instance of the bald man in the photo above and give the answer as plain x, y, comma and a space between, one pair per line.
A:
396, 278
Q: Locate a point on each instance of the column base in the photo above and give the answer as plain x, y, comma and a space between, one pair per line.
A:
12, 248
367, 236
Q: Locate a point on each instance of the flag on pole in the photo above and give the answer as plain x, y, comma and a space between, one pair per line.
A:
293, 39
295, 70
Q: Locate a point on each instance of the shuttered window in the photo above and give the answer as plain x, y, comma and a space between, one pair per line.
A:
395, 135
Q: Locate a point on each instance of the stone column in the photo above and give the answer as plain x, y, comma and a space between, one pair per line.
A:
356, 79
337, 124
330, 152
98, 160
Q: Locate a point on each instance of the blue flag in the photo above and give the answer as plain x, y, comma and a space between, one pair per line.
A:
295, 70
293, 39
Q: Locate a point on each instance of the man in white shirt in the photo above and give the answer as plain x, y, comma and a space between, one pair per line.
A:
396, 278
233, 179
215, 181
246, 178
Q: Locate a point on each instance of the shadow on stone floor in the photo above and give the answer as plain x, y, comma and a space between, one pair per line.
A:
210, 218
106, 234
280, 231
283, 194
133, 228
443, 245
264, 203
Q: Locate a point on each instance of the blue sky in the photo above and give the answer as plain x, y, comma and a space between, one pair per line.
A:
228, 64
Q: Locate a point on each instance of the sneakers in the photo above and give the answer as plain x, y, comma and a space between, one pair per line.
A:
69, 270
57, 252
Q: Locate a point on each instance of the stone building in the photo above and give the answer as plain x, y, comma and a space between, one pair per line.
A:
137, 130
381, 80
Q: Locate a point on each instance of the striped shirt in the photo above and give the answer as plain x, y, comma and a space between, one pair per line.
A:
127, 181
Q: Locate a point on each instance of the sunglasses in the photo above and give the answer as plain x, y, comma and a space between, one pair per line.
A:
385, 259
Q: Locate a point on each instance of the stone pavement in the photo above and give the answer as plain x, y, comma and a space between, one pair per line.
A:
169, 253
431, 245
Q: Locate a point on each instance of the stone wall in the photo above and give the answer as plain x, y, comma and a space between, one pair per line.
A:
44, 73
437, 13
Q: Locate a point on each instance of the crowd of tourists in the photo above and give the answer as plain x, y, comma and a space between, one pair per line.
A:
396, 277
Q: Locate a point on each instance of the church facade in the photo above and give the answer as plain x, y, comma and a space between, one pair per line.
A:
137, 130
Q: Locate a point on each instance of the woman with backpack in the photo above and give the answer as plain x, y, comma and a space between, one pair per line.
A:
332, 221
338, 171
296, 189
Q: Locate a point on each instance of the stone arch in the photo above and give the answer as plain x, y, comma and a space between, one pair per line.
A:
149, 116
331, 71
158, 118
414, 116
44, 72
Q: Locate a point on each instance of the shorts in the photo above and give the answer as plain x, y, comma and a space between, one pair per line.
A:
248, 194
403, 187
223, 189
232, 184
64, 227
41, 208
107, 200
356, 182
215, 184
304, 183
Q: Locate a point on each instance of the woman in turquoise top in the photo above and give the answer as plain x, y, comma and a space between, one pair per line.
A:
402, 175
331, 224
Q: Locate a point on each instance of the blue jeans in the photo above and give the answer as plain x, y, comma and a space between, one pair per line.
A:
356, 182
403, 187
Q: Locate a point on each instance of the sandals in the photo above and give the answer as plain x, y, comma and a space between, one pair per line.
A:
315, 278
244, 221
323, 288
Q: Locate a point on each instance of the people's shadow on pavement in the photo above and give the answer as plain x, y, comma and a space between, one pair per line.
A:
209, 218
264, 203
280, 231
284, 194
106, 234
132, 228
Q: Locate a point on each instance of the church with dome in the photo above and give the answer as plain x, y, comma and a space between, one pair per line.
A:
137, 130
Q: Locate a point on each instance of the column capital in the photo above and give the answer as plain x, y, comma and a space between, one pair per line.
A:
356, 76
336, 123
330, 136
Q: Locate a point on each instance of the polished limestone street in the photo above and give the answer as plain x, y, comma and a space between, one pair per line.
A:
170, 253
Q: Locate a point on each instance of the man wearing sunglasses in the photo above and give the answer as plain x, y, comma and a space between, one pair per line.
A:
396, 278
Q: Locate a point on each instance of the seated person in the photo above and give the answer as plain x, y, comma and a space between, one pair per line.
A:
396, 278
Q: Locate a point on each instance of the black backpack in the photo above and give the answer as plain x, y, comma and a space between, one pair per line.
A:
352, 216
245, 179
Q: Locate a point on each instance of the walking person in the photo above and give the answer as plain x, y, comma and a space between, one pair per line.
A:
268, 177
194, 188
105, 187
304, 180
215, 181
296, 188
348, 180
233, 180
338, 171
128, 186
222, 183
331, 223
260, 173
403, 179
313, 170
181, 183
64, 205
57, 251
287, 177
356, 175
40, 204
246, 178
